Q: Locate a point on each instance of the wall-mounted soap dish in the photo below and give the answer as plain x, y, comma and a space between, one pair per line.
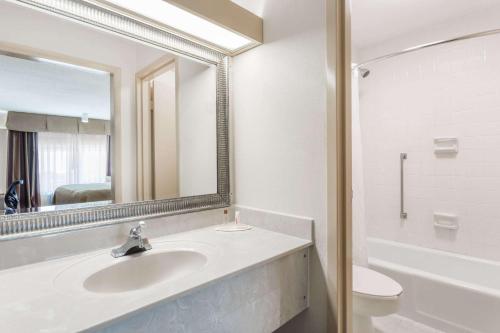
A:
445, 146
445, 221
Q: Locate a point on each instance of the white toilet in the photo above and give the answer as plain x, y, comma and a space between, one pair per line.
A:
373, 295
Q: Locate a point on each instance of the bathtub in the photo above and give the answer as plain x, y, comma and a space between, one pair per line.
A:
449, 292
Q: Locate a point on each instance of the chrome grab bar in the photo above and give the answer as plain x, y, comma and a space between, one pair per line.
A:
402, 158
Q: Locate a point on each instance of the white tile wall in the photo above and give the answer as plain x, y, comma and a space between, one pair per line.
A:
407, 101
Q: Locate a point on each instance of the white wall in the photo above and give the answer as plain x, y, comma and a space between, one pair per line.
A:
374, 22
31, 28
197, 128
166, 179
473, 22
451, 90
279, 106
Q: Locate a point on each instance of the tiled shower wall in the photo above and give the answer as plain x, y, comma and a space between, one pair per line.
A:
406, 102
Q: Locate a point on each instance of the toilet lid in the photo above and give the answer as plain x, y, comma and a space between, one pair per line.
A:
369, 282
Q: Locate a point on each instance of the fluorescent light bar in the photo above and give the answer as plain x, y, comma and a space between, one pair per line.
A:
179, 19
80, 68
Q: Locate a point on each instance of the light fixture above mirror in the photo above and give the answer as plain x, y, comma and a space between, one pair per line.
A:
208, 24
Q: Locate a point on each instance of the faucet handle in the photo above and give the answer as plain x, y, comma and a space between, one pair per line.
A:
136, 231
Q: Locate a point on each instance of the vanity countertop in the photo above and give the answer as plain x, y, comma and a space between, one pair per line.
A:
31, 300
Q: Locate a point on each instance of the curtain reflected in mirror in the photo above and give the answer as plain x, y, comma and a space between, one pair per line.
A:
23, 164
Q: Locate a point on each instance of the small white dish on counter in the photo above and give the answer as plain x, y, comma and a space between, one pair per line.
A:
232, 227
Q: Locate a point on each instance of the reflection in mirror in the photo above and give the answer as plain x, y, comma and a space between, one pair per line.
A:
55, 133
178, 117
88, 117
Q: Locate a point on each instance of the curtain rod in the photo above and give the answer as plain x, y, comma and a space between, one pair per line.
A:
427, 45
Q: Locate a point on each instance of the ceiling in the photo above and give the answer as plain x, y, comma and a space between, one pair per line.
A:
374, 21
41, 86
254, 6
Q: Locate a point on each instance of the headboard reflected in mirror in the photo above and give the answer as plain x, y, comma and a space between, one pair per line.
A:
103, 118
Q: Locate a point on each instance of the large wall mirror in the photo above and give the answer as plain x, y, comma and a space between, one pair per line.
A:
103, 117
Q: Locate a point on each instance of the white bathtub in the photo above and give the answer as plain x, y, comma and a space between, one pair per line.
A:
446, 291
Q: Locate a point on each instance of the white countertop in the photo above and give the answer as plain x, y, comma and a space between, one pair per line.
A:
30, 301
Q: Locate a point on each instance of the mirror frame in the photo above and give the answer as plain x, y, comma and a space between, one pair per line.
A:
135, 28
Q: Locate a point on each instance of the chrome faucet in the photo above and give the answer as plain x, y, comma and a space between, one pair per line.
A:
135, 243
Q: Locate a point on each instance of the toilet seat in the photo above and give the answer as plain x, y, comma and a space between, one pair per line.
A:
373, 295
367, 282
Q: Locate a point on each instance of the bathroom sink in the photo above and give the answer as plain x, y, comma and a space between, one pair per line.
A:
101, 274
142, 271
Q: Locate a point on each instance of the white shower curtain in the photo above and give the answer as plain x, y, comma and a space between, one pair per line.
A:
359, 249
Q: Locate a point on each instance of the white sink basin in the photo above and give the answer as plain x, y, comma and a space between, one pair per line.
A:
105, 275
142, 271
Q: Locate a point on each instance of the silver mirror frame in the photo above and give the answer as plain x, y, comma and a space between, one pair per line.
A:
87, 12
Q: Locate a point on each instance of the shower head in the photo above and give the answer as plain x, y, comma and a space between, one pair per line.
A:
363, 72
